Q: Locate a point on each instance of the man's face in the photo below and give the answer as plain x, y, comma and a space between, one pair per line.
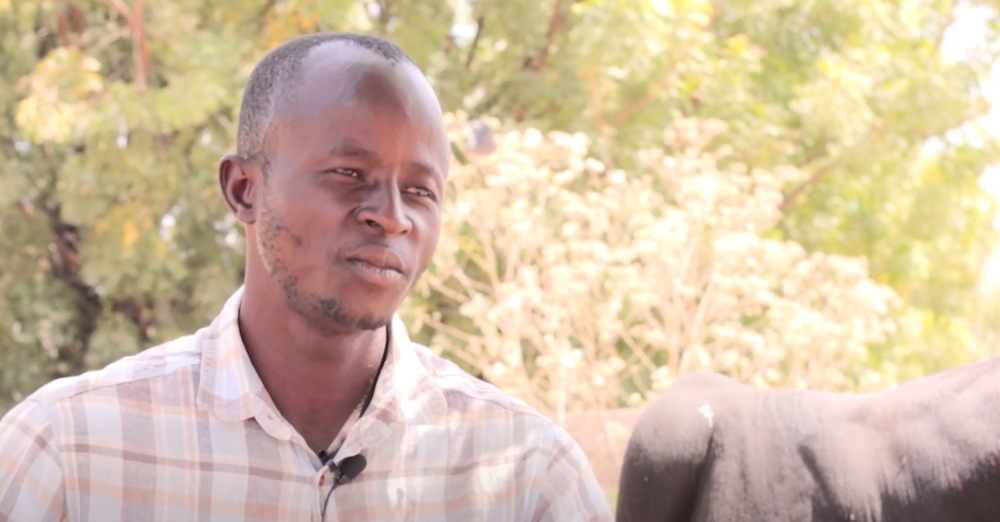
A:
349, 211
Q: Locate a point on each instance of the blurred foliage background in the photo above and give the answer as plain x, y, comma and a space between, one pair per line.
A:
786, 191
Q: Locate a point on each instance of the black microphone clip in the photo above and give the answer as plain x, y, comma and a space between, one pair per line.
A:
348, 469
324, 457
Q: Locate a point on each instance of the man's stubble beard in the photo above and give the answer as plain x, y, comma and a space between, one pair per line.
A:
314, 309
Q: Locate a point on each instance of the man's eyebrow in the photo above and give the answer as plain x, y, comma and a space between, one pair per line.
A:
422, 169
350, 150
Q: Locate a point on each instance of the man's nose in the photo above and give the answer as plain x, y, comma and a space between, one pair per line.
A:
385, 210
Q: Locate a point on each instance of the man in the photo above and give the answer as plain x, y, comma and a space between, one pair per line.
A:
304, 399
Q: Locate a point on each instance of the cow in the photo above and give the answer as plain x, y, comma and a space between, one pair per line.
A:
710, 449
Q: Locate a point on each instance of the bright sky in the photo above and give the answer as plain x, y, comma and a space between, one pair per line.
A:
969, 32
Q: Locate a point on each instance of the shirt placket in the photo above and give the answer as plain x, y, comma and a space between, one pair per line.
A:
323, 490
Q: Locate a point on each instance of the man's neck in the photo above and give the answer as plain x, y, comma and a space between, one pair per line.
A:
317, 382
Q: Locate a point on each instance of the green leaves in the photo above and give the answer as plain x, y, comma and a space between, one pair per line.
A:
54, 105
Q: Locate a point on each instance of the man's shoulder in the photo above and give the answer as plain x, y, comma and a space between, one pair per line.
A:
466, 389
476, 401
182, 354
497, 429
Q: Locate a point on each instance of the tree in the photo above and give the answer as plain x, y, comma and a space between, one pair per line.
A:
580, 286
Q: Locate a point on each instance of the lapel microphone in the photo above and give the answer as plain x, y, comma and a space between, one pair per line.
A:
348, 469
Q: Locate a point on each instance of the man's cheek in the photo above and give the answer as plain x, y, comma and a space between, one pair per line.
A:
296, 240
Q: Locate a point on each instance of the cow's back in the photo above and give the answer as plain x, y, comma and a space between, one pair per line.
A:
788, 456
710, 449
661, 471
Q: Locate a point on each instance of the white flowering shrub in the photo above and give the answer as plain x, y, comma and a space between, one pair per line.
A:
573, 285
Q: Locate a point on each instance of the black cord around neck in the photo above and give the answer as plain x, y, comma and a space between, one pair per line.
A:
323, 455
385, 355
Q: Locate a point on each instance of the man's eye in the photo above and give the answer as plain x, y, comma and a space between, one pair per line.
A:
420, 191
354, 173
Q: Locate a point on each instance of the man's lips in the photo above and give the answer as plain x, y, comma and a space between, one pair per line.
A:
378, 258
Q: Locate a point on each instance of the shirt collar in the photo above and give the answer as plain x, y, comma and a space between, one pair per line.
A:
231, 389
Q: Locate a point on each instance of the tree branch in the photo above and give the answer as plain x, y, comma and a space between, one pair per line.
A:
475, 41
71, 356
797, 191
135, 312
595, 98
140, 49
69, 21
539, 61
140, 35
638, 104
648, 98
122, 9
873, 135
62, 29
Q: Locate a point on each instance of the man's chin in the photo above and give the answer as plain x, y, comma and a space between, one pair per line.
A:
344, 319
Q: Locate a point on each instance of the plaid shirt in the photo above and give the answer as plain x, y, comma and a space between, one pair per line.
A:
186, 432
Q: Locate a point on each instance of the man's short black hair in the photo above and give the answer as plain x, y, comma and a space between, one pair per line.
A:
272, 78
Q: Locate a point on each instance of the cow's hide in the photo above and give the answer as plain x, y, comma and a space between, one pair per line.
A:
711, 449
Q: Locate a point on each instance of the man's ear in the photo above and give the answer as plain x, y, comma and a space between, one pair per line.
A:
238, 184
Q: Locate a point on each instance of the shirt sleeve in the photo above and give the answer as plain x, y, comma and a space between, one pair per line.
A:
569, 489
31, 478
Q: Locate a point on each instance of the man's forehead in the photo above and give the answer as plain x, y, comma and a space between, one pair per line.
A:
342, 85
344, 53
344, 72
